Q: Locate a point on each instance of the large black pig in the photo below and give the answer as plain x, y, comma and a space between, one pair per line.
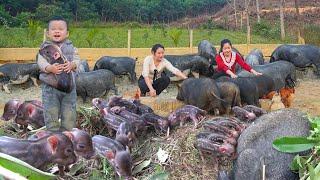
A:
13, 73
300, 55
83, 67
248, 90
207, 50
203, 93
52, 53
95, 83
282, 72
194, 63
230, 93
118, 65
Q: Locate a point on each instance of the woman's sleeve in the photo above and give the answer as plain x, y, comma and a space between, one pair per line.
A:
145, 67
221, 65
170, 67
242, 63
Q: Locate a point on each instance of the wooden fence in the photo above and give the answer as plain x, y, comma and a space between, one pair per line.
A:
92, 54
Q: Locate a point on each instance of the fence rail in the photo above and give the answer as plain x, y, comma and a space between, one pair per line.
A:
92, 54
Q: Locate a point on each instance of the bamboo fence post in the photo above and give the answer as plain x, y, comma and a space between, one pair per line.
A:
129, 42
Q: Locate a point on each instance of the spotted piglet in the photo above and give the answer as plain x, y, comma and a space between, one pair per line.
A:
187, 112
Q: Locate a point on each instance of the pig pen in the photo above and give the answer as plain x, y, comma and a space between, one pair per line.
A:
183, 161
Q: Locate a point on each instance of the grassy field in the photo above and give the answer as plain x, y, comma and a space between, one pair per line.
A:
116, 37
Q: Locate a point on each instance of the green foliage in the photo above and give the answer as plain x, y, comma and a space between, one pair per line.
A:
116, 36
15, 165
293, 144
146, 11
312, 34
33, 28
308, 166
267, 29
175, 35
90, 38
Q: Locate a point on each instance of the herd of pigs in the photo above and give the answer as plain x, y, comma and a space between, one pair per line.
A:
125, 119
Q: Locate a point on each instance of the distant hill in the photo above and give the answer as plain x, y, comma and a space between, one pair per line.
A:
269, 10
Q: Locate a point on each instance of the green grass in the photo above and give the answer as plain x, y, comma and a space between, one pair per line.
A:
116, 37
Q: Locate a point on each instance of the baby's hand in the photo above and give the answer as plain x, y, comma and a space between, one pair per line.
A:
67, 67
55, 68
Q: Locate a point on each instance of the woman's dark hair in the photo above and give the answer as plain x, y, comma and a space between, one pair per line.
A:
223, 42
156, 47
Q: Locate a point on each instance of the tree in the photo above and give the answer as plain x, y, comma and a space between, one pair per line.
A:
282, 20
258, 11
247, 3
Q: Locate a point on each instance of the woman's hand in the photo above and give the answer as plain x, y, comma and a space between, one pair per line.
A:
256, 73
153, 92
233, 75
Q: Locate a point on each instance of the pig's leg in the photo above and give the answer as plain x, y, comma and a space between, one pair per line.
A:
6, 88
195, 120
195, 74
20, 80
34, 80
68, 110
61, 170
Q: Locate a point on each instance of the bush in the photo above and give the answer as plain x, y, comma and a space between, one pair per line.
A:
312, 34
267, 29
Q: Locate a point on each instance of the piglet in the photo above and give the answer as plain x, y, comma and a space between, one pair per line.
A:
99, 103
126, 134
215, 148
133, 118
158, 122
81, 140
243, 114
63, 81
216, 137
30, 112
119, 101
116, 154
187, 112
256, 110
53, 149
10, 109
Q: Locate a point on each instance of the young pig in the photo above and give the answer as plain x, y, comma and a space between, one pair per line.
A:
187, 112
81, 140
10, 109
56, 149
30, 112
243, 114
52, 53
116, 154
125, 134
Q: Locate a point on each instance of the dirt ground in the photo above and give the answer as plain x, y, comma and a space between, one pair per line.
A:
184, 161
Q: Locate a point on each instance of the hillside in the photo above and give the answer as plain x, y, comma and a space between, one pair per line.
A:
269, 10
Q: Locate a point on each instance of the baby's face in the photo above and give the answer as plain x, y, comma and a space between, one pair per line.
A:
57, 31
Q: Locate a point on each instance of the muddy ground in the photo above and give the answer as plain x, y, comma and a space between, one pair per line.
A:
184, 161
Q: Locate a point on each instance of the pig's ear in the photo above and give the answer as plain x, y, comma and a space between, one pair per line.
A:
222, 150
41, 134
69, 135
30, 109
53, 142
110, 155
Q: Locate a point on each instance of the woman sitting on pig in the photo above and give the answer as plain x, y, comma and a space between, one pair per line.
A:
227, 60
153, 78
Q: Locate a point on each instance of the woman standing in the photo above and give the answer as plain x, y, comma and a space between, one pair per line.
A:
153, 78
